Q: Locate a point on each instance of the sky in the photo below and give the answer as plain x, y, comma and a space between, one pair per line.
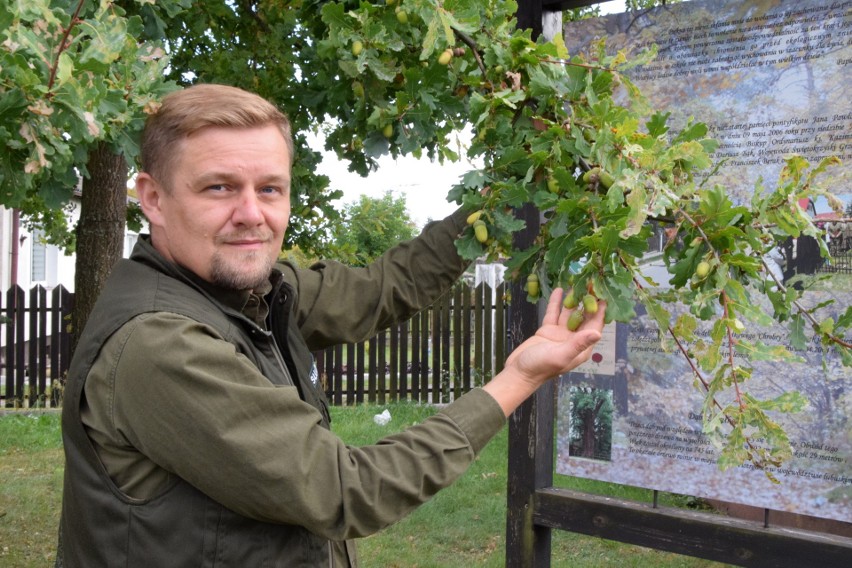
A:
424, 184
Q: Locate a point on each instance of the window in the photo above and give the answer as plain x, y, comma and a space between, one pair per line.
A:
38, 270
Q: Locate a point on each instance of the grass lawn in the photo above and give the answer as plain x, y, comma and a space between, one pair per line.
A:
463, 526
31, 467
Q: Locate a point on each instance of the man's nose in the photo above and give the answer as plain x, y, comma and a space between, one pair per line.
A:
247, 210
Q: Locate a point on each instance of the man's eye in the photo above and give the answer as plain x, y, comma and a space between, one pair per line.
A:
215, 187
270, 189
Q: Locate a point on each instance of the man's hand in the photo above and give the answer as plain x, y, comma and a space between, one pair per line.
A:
552, 351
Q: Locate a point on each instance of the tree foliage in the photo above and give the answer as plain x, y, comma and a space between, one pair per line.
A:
370, 226
566, 132
73, 76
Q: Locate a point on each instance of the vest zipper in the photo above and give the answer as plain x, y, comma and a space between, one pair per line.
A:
275, 351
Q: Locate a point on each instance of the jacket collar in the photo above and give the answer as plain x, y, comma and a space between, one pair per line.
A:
249, 303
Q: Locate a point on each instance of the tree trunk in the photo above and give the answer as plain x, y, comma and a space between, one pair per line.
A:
590, 418
100, 240
100, 231
588, 434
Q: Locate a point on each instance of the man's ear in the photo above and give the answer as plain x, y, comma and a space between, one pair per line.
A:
150, 194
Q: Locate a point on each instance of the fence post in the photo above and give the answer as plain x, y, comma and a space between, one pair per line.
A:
530, 446
19, 346
383, 367
423, 357
394, 363
457, 333
500, 329
488, 331
467, 364
478, 336
404, 374
435, 343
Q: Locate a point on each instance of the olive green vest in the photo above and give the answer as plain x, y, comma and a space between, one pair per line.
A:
100, 526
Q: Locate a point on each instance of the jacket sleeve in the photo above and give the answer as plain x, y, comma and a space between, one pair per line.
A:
340, 304
208, 416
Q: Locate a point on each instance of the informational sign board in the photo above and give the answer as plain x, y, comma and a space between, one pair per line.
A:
770, 78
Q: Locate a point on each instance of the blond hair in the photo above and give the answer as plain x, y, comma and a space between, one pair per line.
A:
189, 110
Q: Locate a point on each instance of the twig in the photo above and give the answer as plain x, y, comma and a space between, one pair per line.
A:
804, 312
724, 296
582, 65
731, 344
63, 45
467, 40
695, 370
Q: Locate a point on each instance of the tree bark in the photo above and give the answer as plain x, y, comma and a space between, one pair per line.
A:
100, 231
590, 418
100, 241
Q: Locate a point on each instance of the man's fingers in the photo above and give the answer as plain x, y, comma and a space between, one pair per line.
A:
580, 348
597, 319
554, 306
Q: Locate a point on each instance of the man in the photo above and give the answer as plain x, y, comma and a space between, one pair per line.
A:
194, 432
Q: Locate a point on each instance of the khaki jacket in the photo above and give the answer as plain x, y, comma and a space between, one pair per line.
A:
195, 436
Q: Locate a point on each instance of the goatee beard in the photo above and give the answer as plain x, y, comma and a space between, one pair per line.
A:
226, 275
227, 272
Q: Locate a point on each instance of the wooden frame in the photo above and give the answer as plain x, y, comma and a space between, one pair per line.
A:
535, 508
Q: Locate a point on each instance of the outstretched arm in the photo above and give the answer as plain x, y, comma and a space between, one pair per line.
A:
552, 351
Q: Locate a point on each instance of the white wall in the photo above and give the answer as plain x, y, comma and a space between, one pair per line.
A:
58, 267
55, 267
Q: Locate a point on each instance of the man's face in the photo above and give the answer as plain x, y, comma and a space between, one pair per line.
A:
223, 212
